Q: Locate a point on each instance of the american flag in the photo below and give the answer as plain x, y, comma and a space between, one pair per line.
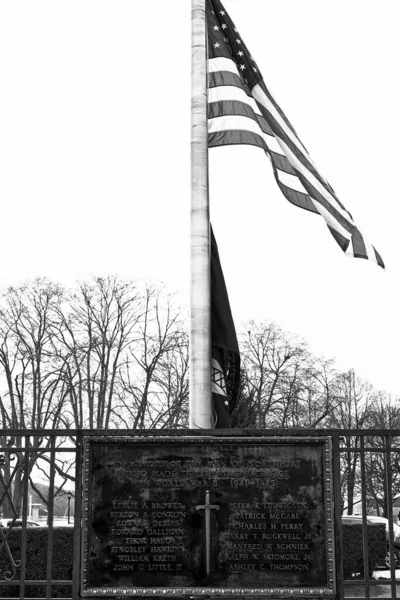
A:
242, 111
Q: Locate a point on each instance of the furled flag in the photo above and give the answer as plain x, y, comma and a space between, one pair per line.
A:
242, 111
225, 350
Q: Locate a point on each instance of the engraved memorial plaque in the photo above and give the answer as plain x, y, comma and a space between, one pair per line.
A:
210, 516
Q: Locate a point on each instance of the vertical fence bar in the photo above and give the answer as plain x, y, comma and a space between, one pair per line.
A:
364, 519
77, 519
389, 511
24, 520
337, 499
50, 516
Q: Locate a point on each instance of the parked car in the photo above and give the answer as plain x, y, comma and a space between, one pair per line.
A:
18, 523
31, 523
357, 519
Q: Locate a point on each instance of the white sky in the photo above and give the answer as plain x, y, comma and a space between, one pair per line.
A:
95, 160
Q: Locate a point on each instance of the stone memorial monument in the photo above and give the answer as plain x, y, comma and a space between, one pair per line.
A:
217, 515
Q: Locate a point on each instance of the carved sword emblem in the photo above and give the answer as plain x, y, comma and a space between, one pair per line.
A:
207, 507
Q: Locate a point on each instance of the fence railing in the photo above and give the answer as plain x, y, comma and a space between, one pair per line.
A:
366, 471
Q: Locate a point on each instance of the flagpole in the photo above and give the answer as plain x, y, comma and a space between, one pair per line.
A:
200, 403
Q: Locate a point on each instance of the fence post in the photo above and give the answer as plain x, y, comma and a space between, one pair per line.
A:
337, 499
76, 567
364, 518
389, 510
50, 516
24, 518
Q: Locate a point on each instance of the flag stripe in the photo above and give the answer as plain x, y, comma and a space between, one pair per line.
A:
229, 93
281, 162
246, 109
298, 178
369, 248
233, 138
291, 181
233, 107
296, 198
288, 161
222, 64
300, 168
238, 122
274, 143
378, 257
323, 206
358, 244
225, 78
304, 158
262, 98
279, 110
344, 243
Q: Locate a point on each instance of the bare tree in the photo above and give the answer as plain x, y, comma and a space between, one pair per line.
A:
159, 353
172, 378
351, 413
282, 382
33, 390
383, 413
245, 413
312, 395
110, 353
96, 328
266, 358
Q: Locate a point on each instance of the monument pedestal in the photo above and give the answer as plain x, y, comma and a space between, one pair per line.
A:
208, 516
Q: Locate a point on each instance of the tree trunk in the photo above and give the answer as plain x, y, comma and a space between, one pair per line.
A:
350, 493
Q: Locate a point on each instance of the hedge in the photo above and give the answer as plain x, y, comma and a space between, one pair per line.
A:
353, 561
353, 564
36, 562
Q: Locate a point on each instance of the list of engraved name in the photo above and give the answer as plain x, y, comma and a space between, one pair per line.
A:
149, 534
269, 536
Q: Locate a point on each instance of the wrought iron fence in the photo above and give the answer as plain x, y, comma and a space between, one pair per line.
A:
24, 456
366, 471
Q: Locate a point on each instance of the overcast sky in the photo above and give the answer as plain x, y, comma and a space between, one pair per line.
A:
95, 160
